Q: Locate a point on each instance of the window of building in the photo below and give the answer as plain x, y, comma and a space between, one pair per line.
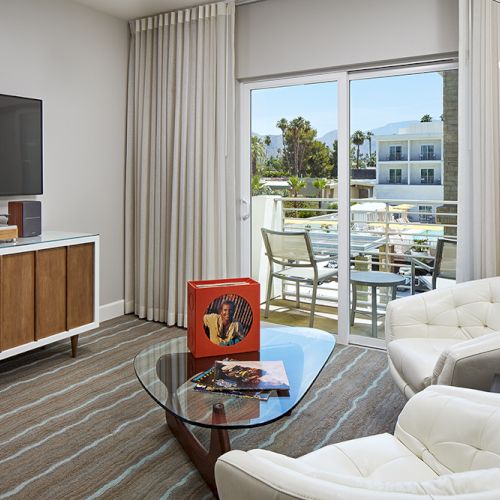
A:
426, 176
395, 176
425, 213
427, 152
395, 152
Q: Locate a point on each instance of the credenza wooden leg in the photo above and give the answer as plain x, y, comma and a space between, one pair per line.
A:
74, 345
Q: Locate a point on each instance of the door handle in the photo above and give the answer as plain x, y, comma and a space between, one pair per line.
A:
246, 215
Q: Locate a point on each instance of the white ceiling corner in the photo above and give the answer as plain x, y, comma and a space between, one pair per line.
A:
132, 9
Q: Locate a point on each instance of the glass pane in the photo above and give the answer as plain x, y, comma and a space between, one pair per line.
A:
294, 189
403, 189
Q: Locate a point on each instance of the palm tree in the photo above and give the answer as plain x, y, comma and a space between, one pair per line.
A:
282, 125
320, 184
426, 118
368, 137
257, 152
358, 138
296, 185
258, 187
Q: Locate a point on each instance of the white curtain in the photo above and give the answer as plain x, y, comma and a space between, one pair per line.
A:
180, 212
479, 139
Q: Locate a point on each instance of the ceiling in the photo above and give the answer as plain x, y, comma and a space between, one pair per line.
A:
131, 9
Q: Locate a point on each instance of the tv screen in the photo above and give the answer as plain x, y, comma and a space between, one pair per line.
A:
20, 146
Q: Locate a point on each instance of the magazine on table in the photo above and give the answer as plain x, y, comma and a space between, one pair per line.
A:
250, 375
205, 383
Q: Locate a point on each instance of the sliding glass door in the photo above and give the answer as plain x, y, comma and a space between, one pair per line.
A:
403, 189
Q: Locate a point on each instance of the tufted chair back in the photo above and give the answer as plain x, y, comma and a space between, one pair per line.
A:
454, 429
463, 312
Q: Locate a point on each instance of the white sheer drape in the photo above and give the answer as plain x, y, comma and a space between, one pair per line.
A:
180, 212
479, 149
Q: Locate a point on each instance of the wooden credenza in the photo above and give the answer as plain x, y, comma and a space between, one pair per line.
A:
49, 290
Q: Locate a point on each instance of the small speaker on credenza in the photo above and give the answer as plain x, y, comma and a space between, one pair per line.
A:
27, 216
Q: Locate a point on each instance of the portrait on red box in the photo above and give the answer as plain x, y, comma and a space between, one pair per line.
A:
227, 319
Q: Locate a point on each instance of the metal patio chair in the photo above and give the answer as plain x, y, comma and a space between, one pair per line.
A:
443, 270
293, 252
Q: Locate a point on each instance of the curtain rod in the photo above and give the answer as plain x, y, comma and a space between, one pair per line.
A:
239, 3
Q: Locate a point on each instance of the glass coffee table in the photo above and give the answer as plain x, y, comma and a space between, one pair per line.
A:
165, 371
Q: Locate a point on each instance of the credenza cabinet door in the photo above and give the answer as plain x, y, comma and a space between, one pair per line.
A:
17, 299
50, 292
80, 282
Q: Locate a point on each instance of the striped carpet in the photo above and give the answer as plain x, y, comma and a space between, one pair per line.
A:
84, 427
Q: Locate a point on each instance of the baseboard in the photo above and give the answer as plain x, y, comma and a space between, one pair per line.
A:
111, 310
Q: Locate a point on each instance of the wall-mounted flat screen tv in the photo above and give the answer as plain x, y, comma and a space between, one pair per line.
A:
20, 146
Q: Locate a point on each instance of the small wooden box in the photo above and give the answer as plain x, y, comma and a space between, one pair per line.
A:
8, 233
223, 317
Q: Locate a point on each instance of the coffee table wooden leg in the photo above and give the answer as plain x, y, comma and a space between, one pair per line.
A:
203, 459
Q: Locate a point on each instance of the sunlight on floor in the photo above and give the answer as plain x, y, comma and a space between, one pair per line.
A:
284, 312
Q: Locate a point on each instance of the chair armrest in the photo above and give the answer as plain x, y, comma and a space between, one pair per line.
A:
472, 363
420, 264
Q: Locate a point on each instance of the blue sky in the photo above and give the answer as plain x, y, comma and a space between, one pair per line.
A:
374, 103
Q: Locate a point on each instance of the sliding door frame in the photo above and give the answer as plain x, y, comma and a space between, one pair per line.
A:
343, 79
343, 176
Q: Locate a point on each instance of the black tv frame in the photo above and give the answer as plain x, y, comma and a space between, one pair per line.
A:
41, 146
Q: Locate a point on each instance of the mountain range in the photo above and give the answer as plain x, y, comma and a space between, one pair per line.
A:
329, 137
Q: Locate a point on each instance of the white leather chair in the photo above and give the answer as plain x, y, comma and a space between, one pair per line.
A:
446, 444
449, 336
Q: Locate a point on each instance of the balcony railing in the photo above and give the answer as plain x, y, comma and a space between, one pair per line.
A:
425, 157
384, 236
393, 157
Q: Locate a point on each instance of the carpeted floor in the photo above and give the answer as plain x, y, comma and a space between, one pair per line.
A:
85, 428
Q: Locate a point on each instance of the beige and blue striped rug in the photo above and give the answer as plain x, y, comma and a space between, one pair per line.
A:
85, 428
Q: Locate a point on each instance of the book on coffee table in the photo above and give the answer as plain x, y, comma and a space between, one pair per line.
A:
205, 383
250, 375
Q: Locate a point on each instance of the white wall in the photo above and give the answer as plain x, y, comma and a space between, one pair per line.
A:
75, 59
283, 36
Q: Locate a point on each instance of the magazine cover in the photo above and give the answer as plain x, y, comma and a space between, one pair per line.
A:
251, 375
205, 383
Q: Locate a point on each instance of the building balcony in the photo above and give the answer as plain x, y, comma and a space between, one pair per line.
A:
426, 157
394, 157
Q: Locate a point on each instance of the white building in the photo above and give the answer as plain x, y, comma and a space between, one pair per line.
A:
410, 167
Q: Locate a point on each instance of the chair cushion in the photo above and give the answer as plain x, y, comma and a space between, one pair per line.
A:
414, 358
381, 457
307, 273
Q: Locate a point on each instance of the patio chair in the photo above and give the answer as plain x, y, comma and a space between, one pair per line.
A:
443, 270
294, 253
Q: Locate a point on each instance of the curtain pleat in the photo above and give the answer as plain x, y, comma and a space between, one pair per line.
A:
180, 212
478, 253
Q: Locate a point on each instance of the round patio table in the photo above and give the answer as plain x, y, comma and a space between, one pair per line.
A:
373, 279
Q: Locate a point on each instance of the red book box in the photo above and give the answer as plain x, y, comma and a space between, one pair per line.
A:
223, 316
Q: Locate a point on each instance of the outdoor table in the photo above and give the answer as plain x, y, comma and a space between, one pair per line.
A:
373, 279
